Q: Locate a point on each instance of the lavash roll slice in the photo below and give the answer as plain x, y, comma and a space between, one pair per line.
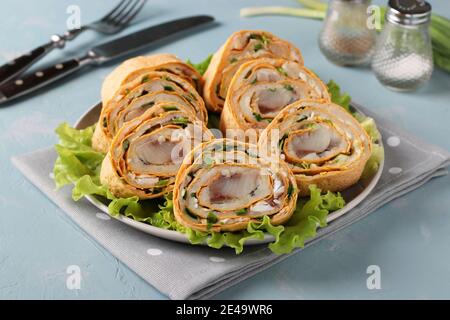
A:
261, 88
321, 142
166, 101
224, 184
146, 152
240, 47
136, 67
140, 94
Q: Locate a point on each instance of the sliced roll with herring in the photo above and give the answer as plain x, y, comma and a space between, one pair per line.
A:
224, 184
136, 67
322, 144
261, 88
146, 152
241, 46
134, 98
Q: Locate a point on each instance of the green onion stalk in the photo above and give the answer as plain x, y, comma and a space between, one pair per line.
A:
316, 9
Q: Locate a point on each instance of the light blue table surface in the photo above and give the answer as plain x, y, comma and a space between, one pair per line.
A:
409, 239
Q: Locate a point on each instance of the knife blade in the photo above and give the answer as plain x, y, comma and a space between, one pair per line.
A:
98, 55
140, 39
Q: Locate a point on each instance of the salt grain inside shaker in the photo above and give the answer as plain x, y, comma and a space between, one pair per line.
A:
403, 58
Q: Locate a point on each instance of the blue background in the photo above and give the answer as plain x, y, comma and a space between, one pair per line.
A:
408, 238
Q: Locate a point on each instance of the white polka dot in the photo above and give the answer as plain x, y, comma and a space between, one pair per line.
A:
393, 141
216, 259
59, 66
154, 252
19, 82
39, 74
395, 170
102, 216
51, 175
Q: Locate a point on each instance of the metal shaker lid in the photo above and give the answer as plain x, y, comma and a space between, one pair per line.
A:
408, 12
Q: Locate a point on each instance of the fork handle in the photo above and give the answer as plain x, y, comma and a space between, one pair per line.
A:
17, 66
24, 85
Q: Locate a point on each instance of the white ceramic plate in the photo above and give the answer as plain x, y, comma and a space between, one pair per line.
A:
353, 196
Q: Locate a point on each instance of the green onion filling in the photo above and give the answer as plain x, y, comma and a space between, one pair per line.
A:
258, 46
170, 108
211, 219
282, 140
163, 182
290, 190
180, 120
282, 71
126, 145
257, 116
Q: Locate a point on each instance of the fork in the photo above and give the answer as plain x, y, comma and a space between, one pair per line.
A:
114, 21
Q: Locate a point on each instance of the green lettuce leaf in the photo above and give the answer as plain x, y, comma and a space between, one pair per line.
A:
201, 66
309, 214
132, 207
374, 161
76, 158
371, 128
236, 240
338, 97
377, 155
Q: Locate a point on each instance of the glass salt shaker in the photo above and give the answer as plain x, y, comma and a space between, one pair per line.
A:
403, 58
346, 38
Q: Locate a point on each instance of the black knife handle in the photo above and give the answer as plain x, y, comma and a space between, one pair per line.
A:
23, 85
18, 65
15, 67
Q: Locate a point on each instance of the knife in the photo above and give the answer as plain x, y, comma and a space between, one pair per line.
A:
98, 55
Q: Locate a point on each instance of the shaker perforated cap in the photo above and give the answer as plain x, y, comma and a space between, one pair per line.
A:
408, 12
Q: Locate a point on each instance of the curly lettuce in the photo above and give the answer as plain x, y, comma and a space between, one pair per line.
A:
338, 97
201, 66
76, 158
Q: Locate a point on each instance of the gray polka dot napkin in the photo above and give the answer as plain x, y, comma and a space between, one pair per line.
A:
184, 271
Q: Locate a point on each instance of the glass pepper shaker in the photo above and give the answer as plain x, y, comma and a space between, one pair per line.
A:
345, 38
403, 58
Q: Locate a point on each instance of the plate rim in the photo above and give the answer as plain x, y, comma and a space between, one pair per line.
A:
176, 236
